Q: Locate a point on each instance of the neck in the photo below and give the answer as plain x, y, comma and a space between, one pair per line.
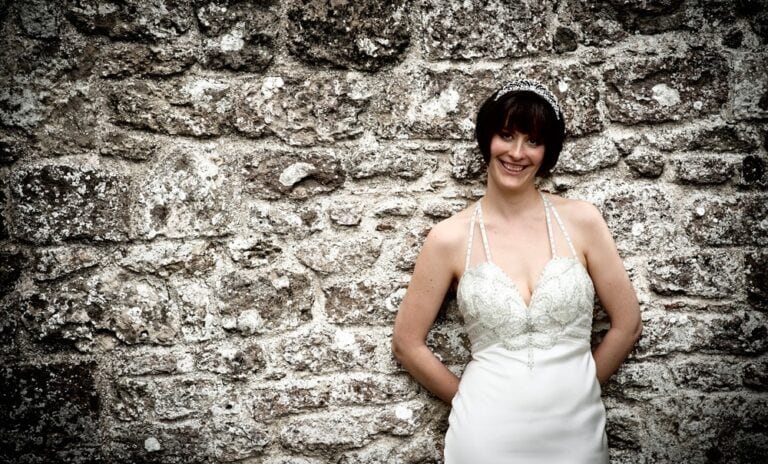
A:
508, 204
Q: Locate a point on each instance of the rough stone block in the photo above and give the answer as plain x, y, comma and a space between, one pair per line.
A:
232, 360
128, 145
467, 163
752, 172
668, 86
190, 258
375, 160
254, 250
707, 375
708, 274
645, 162
273, 175
711, 137
194, 106
703, 169
147, 442
302, 109
756, 270
134, 309
53, 203
11, 265
749, 95
726, 221
186, 192
328, 255
366, 301
319, 349
364, 35
489, 30
50, 413
55, 262
132, 20
239, 36
124, 59
586, 155
257, 303
40, 19
640, 216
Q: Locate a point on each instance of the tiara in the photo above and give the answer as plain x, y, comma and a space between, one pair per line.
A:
531, 86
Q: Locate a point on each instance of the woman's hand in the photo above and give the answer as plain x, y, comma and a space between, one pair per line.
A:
432, 276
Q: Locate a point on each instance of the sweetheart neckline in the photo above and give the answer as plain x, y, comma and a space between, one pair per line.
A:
534, 292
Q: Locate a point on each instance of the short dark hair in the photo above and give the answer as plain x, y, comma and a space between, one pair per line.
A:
523, 111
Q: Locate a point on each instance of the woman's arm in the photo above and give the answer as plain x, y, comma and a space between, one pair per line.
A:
431, 278
616, 294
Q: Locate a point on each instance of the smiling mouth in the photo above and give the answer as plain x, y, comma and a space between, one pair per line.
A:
512, 167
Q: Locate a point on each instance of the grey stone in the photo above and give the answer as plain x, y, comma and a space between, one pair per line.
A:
756, 276
125, 59
724, 221
750, 86
669, 86
441, 209
40, 18
191, 106
365, 35
708, 274
693, 169
752, 172
272, 175
185, 192
363, 301
707, 375
194, 258
381, 161
135, 20
467, 163
129, 145
717, 137
257, 303
328, 255
254, 251
491, 30
55, 262
587, 155
52, 203
58, 401
346, 213
645, 162
240, 35
10, 270
302, 110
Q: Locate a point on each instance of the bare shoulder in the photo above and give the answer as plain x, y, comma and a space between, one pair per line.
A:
451, 232
578, 213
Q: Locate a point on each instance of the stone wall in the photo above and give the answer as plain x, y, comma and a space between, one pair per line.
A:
210, 212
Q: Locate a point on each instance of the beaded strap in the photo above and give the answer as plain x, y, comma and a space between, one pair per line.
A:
482, 232
562, 228
471, 235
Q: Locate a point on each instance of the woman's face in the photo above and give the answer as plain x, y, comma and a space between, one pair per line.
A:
515, 159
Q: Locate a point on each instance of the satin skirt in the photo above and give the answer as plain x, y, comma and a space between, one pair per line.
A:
506, 413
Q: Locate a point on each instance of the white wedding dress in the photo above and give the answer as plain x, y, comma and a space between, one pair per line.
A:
529, 394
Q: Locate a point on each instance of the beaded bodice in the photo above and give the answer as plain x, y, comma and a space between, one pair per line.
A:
494, 310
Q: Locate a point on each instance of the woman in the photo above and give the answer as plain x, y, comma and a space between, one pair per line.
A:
531, 392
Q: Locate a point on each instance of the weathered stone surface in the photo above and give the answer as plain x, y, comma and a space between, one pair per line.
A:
756, 375
195, 106
193, 258
318, 349
756, 276
235, 436
257, 303
640, 381
54, 400
493, 30
128, 361
56, 262
708, 274
128, 145
587, 155
240, 35
354, 428
40, 19
375, 160
443, 208
738, 332
645, 162
670, 86
346, 213
364, 35
640, 216
123, 59
232, 360
132, 19
728, 220
706, 374
752, 172
272, 175
52, 203
403, 207
703, 169
302, 110
749, 95
415, 450
185, 192
134, 309
327, 255
24, 106
467, 163
254, 250
716, 137
174, 443
365, 301
449, 343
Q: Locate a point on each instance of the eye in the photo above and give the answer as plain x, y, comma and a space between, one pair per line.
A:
533, 142
506, 136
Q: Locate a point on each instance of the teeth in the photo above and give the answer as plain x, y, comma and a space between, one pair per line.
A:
512, 167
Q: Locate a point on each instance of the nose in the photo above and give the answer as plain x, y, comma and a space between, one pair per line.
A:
515, 149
